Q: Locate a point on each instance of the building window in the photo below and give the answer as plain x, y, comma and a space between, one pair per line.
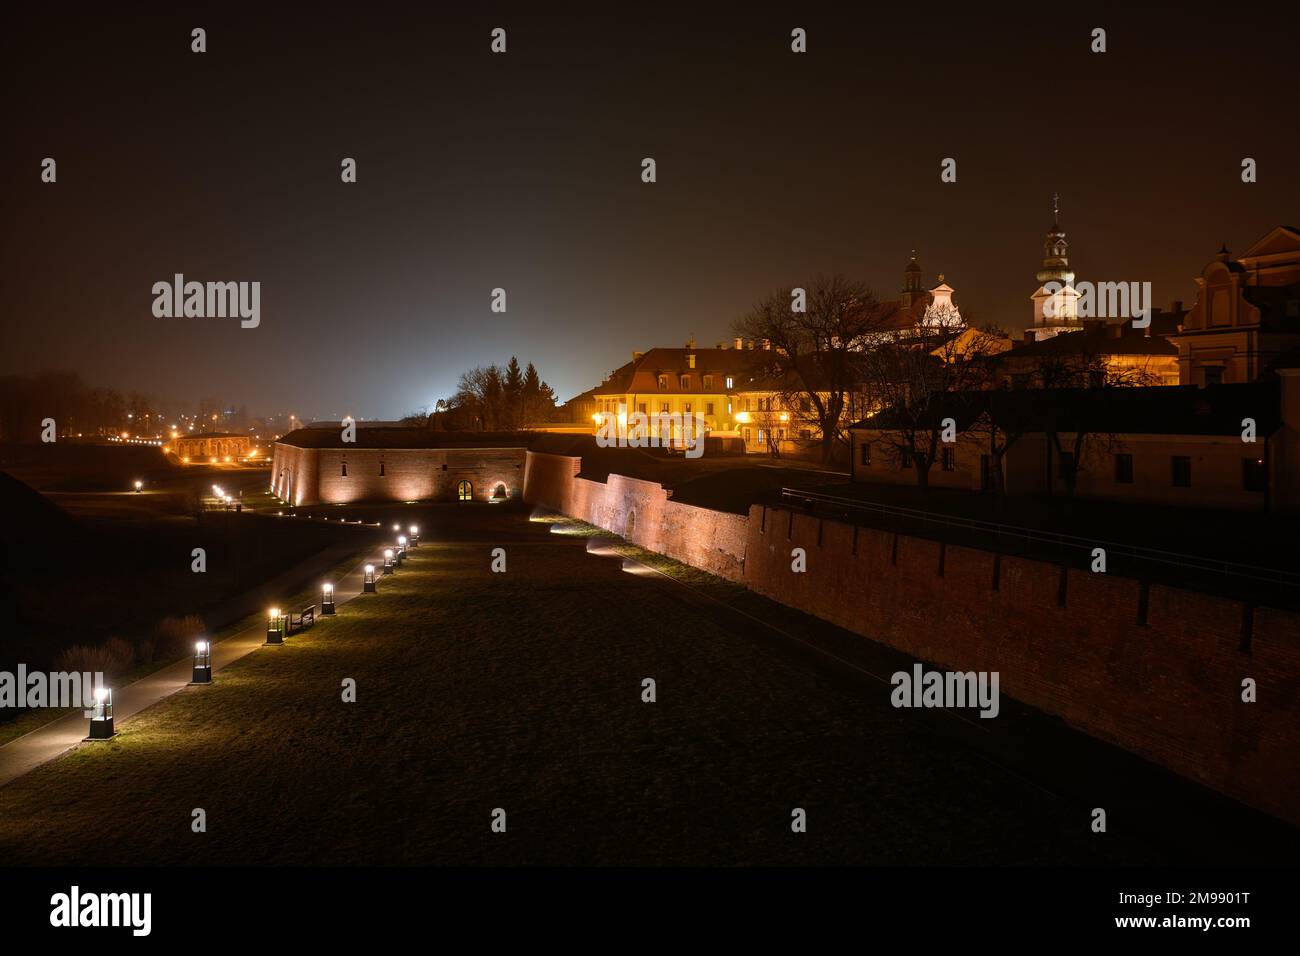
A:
904, 458
805, 434
708, 382
708, 408
663, 408
641, 407
663, 381
804, 404
465, 491
948, 456
730, 383
1124, 469
1213, 374
344, 472
1254, 477
747, 436
1181, 471
686, 408
686, 382
865, 452
381, 469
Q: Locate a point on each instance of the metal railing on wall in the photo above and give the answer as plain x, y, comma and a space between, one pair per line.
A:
1005, 538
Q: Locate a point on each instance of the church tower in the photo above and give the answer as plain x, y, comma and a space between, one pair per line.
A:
1056, 307
912, 289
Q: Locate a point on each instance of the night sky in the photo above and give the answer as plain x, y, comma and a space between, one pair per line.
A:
523, 171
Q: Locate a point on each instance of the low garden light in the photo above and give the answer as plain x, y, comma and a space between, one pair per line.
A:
368, 582
401, 547
202, 663
101, 715
327, 598
138, 486
388, 560
274, 626
415, 535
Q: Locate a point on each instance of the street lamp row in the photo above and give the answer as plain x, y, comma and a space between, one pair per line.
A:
101, 715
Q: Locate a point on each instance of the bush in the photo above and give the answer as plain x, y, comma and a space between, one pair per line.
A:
175, 636
115, 656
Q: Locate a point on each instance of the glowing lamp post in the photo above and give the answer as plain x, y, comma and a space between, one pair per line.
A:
327, 599
401, 548
415, 535
388, 561
138, 486
202, 663
397, 527
101, 715
368, 582
274, 626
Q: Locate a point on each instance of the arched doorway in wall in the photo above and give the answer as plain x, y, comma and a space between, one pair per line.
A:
465, 491
499, 492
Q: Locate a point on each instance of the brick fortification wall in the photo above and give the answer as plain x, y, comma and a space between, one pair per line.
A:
308, 476
641, 512
1168, 689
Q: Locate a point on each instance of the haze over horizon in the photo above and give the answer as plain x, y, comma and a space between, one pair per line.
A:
478, 171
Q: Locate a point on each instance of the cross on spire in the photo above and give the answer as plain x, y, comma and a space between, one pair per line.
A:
1056, 210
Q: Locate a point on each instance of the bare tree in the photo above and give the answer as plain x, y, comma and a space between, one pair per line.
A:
817, 352
925, 374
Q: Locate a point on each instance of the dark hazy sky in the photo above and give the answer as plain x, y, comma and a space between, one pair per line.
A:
523, 171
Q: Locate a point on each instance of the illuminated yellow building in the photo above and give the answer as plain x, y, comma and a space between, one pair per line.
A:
684, 383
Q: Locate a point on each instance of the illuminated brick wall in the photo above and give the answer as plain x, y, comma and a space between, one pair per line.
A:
1168, 689
307, 476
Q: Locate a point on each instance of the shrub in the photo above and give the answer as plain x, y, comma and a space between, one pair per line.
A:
115, 656
174, 636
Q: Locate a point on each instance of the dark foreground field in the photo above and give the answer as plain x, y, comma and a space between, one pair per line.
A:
522, 691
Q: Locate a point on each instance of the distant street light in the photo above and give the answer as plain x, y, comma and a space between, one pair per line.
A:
202, 663
327, 598
388, 560
368, 583
101, 715
274, 627
415, 536
138, 486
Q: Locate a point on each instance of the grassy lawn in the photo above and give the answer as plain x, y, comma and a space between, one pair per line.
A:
522, 691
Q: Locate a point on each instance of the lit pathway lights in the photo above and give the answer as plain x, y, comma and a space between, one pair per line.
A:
202, 663
138, 486
327, 599
101, 716
401, 549
274, 626
415, 536
388, 561
368, 584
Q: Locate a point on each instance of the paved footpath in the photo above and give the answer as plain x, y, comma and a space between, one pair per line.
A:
24, 754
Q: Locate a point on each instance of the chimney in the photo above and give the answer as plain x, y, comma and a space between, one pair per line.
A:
690, 358
740, 344
637, 356
720, 345
690, 343
1029, 337
1176, 306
